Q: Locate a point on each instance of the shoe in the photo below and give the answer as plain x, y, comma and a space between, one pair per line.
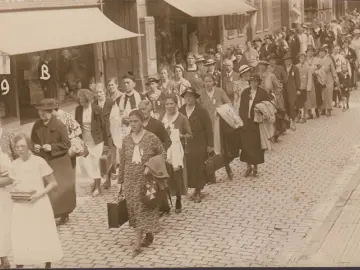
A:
302, 121
293, 127
96, 192
310, 116
63, 220
255, 173
328, 113
276, 137
197, 198
344, 109
317, 113
248, 172
107, 184
230, 175
323, 112
148, 240
136, 252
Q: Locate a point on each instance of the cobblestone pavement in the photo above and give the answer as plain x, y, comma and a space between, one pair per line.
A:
260, 221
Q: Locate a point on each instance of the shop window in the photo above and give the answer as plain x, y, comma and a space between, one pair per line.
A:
67, 70
265, 15
259, 25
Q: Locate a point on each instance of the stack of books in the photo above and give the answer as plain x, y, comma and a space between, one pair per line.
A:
22, 196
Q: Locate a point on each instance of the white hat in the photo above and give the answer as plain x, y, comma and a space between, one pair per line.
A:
356, 31
243, 69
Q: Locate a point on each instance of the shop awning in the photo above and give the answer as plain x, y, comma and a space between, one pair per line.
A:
32, 31
206, 8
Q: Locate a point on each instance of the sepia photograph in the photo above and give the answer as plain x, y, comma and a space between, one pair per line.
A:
179, 133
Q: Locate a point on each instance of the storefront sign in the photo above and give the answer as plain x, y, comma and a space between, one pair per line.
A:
44, 72
4, 85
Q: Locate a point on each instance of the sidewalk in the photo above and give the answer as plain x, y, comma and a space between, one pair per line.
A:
337, 242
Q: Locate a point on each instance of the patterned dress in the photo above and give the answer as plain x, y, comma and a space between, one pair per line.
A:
140, 217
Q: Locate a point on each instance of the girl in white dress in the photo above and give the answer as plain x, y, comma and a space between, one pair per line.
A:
34, 236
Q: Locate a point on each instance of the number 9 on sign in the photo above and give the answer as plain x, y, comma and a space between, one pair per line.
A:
5, 87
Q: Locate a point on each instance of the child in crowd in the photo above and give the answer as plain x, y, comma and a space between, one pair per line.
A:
345, 86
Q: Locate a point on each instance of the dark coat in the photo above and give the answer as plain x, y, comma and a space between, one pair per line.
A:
106, 110
203, 137
238, 64
251, 151
292, 86
228, 83
63, 198
294, 47
98, 126
266, 51
327, 37
351, 56
157, 128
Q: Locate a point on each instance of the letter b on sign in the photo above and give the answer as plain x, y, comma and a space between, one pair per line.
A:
45, 75
5, 87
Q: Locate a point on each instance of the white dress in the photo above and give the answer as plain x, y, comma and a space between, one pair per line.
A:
5, 212
34, 236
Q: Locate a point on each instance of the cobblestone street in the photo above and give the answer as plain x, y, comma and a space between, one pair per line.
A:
264, 221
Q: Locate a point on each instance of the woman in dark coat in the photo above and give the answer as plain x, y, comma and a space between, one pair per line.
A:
51, 142
94, 134
201, 143
251, 152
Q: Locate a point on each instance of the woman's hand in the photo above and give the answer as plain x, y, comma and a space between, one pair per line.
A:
34, 198
146, 171
46, 147
37, 148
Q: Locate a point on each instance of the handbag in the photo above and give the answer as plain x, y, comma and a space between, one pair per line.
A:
149, 194
78, 148
213, 163
117, 211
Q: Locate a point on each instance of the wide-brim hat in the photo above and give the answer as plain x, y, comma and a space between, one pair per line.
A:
47, 104
152, 80
287, 56
323, 48
190, 90
257, 39
210, 62
243, 69
304, 26
357, 31
200, 58
211, 51
238, 52
268, 37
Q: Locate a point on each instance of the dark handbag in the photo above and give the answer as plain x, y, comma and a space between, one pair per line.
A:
149, 193
105, 163
213, 163
117, 211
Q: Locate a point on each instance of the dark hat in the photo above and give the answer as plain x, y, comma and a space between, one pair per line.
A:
151, 80
287, 56
272, 56
304, 26
190, 90
211, 51
255, 77
323, 48
347, 40
237, 52
257, 39
310, 48
199, 58
209, 62
47, 104
129, 75
268, 37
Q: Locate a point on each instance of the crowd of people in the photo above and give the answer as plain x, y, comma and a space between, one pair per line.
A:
166, 135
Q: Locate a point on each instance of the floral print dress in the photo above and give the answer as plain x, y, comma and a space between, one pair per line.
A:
132, 175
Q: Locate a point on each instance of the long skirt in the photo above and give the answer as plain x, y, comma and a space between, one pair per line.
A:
195, 163
5, 214
63, 197
301, 99
319, 94
34, 236
311, 99
177, 181
251, 151
281, 123
327, 95
91, 163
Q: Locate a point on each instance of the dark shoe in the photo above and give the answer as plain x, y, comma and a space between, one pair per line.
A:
136, 252
230, 175
328, 113
197, 198
148, 240
310, 116
178, 206
19, 266
248, 172
48, 265
107, 184
255, 173
63, 220
276, 137
323, 112
317, 113
302, 121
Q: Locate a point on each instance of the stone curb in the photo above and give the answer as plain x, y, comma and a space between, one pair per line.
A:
318, 235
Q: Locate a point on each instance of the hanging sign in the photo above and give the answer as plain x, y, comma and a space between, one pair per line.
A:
44, 72
4, 85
